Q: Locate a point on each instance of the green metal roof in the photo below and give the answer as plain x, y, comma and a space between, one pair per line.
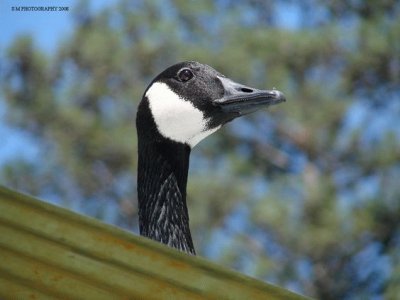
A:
48, 252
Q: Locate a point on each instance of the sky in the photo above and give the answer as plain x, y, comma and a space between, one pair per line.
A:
47, 28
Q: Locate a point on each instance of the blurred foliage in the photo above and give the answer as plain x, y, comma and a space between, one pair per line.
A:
305, 195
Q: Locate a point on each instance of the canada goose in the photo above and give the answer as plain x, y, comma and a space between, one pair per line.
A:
181, 106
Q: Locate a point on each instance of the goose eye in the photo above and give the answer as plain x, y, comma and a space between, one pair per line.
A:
185, 75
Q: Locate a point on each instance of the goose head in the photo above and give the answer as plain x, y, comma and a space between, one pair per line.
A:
189, 100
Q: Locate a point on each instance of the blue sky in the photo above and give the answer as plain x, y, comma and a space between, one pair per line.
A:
47, 30
16, 143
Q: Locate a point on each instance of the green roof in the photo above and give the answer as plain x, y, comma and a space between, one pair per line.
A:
48, 252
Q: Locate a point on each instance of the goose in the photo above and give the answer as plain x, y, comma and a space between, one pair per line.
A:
181, 106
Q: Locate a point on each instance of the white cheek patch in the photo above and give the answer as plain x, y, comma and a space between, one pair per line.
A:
176, 118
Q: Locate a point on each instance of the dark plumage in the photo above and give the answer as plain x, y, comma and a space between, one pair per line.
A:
181, 106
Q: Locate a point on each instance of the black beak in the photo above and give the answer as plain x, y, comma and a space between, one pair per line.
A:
241, 99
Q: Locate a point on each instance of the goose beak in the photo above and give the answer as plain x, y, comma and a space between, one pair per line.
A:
241, 99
